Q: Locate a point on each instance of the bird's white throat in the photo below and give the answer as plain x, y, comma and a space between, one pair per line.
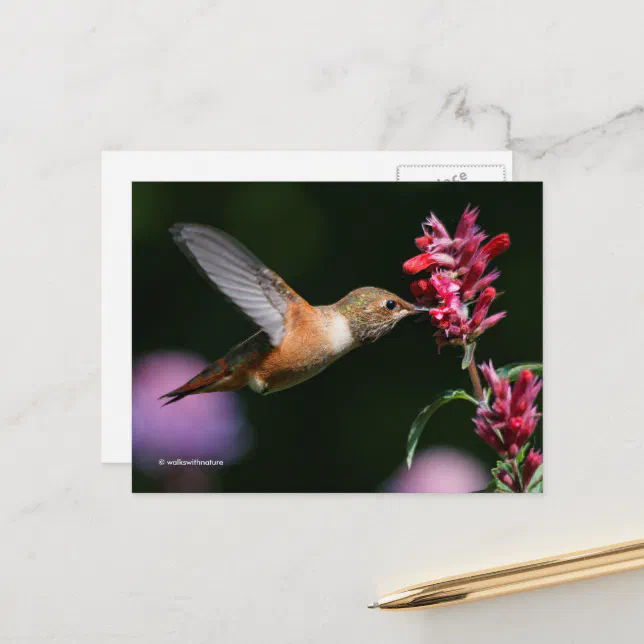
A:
340, 336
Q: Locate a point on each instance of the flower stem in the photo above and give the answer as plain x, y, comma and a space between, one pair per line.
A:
476, 381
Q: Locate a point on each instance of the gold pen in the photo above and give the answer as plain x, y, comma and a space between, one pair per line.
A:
516, 578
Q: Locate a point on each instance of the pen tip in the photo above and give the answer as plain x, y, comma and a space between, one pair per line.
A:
374, 605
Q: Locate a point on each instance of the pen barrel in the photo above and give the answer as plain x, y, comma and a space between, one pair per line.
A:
517, 578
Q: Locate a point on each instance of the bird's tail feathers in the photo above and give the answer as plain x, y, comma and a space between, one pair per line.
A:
204, 381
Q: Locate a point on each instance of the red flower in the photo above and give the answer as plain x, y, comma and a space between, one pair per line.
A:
418, 263
511, 417
496, 246
458, 275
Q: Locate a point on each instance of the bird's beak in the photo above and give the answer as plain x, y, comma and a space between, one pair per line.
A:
412, 309
419, 311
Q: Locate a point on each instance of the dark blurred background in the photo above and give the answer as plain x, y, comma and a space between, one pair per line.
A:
345, 430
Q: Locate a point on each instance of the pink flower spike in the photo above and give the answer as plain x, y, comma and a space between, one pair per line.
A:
457, 275
512, 423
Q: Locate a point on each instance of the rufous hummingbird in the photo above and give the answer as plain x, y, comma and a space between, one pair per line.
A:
297, 341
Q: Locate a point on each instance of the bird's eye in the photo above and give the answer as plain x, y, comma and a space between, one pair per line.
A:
391, 305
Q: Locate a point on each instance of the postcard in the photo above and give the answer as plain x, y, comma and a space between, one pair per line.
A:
336, 336
121, 169
255, 211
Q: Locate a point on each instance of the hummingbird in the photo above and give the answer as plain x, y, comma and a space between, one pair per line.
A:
296, 340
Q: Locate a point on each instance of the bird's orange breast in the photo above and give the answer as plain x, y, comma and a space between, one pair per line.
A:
304, 352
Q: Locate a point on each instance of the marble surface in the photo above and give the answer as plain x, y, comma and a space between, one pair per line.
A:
559, 84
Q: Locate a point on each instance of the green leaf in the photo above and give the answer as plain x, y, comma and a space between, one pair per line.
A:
537, 488
506, 467
418, 425
536, 482
512, 371
520, 457
468, 355
488, 489
502, 465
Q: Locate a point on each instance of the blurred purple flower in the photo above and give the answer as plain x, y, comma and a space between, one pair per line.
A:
441, 469
204, 427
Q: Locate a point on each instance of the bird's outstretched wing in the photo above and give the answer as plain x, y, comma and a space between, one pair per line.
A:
259, 292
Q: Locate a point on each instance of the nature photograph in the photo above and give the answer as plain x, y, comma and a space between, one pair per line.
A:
337, 337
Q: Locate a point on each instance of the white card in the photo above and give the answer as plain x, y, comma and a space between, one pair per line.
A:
121, 169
